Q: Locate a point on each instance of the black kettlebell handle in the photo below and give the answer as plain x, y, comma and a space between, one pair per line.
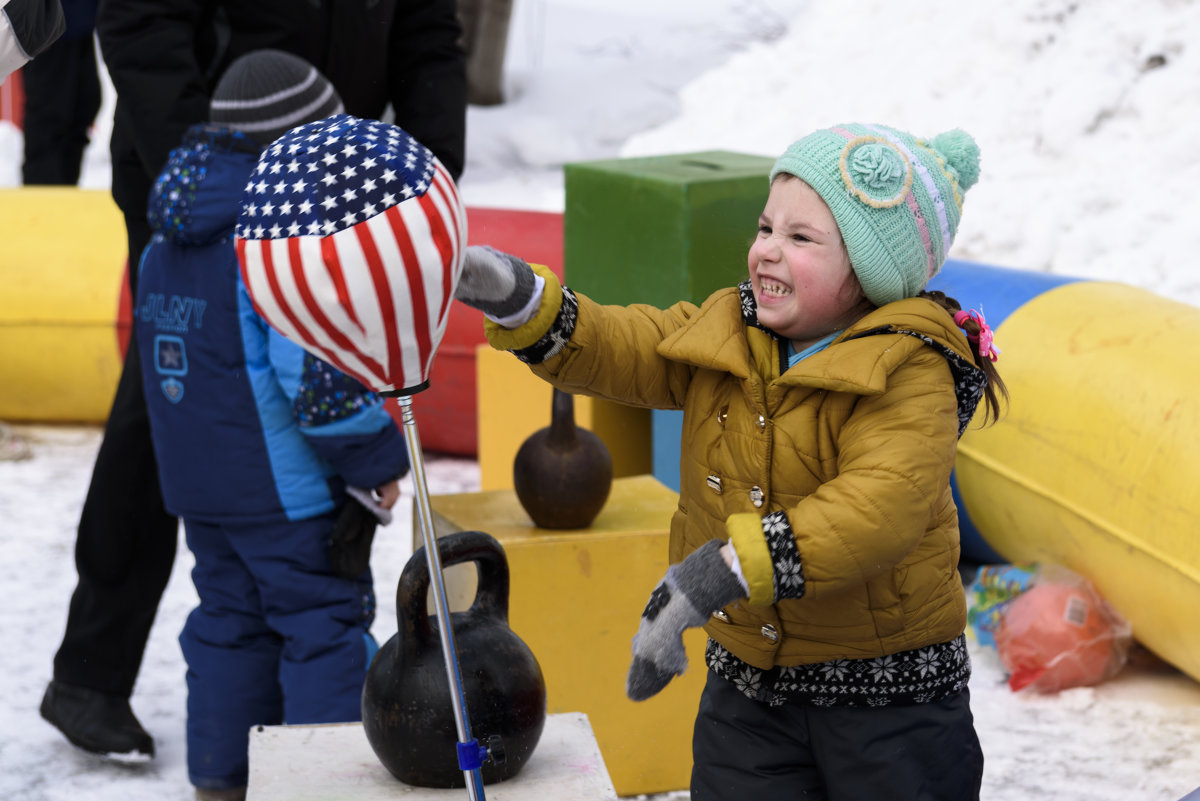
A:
491, 596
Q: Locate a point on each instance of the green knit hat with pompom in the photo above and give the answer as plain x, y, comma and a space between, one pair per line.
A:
897, 199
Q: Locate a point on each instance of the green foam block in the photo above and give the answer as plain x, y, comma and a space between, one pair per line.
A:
661, 229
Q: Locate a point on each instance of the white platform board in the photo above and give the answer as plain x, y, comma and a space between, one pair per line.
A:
335, 762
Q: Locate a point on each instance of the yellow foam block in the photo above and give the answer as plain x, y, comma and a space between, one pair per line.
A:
512, 403
1096, 463
61, 271
576, 598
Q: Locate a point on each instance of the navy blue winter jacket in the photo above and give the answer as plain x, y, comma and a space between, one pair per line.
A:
247, 426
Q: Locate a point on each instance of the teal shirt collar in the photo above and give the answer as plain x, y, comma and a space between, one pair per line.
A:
795, 358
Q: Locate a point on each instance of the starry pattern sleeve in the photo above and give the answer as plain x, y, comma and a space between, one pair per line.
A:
348, 426
326, 395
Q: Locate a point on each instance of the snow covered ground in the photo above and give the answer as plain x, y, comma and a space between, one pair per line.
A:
1086, 114
1137, 736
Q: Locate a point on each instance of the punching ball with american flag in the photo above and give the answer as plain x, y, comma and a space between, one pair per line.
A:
350, 239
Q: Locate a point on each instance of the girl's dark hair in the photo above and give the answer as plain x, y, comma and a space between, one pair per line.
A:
995, 388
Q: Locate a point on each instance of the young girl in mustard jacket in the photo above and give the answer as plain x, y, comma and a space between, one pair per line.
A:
816, 539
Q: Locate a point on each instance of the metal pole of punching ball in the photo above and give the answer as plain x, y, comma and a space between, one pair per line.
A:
433, 561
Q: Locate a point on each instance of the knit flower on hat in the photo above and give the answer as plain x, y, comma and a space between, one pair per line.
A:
875, 171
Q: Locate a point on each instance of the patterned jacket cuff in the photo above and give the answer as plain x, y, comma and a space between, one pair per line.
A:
788, 573
536, 329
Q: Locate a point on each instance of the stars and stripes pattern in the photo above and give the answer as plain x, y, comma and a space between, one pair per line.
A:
350, 241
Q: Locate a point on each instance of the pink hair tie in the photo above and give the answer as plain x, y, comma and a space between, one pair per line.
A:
987, 348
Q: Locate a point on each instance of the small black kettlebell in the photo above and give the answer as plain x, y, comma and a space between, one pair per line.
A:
407, 711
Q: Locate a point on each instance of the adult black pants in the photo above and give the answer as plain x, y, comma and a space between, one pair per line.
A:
62, 98
125, 545
743, 749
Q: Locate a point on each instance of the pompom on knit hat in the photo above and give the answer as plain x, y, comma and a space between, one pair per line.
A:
265, 93
897, 199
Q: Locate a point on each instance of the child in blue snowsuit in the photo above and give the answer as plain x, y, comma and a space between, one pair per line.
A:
256, 442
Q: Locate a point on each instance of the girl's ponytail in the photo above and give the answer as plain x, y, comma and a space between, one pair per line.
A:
984, 351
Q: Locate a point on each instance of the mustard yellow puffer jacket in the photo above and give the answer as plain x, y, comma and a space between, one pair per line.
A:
848, 455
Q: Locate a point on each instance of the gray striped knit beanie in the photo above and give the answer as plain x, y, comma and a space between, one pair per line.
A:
266, 93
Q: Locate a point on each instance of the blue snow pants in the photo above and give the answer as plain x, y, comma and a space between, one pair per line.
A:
276, 638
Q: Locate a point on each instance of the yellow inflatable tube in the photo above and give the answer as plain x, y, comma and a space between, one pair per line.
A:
62, 267
1097, 464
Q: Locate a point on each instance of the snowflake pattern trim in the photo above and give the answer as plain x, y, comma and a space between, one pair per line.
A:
785, 558
750, 308
919, 676
554, 340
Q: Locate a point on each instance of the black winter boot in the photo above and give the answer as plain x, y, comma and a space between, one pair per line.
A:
96, 722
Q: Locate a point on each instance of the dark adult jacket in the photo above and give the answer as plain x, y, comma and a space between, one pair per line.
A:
166, 56
27, 28
247, 426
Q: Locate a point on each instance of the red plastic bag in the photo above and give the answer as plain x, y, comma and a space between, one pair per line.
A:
993, 589
1060, 633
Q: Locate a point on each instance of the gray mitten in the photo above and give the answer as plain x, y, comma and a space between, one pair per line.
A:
690, 592
497, 283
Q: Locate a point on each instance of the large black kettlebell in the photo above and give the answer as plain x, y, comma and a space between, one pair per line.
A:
407, 710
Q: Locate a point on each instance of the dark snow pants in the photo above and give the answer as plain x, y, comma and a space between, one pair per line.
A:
277, 638
743, 749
